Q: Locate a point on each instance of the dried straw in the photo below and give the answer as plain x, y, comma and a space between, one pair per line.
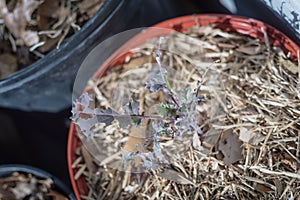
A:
250, 120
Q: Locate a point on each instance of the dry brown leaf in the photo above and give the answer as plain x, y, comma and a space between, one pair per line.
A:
136, 62
211, 137
90, 7
279, 187
175, 176
63, 15
134, 144
289, 65
230, 145
206, 30
49, 43
49, 9
27, 186
8, 63
56, 195
262, 188
17, 20
136, 140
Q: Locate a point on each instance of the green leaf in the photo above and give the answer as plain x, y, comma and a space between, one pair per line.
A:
161, 110
166, 110
167, 82
136, 120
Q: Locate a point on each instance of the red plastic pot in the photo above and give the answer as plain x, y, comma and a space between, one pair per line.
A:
246, 26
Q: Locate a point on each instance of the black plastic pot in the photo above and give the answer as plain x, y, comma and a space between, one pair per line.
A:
47, 84
7, 170
288, 11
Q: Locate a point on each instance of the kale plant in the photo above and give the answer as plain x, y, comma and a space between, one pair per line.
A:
176, 116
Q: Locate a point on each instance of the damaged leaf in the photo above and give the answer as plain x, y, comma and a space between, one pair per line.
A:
105, 116
230, 146
155, 82
86, 117
132, 107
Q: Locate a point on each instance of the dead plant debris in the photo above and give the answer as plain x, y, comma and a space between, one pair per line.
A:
29, 29
250, 121
27, 186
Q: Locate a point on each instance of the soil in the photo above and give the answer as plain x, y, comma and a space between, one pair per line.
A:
250, 122
31, 29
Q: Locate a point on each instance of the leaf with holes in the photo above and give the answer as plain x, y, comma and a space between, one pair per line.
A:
230, 146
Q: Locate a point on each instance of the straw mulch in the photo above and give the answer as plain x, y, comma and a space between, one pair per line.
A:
250, 120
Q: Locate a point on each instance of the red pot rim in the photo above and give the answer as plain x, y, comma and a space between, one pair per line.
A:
246, 26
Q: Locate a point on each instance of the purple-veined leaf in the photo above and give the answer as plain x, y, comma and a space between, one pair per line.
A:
148, 160
132, 107
155, 81
158, 153
105, 116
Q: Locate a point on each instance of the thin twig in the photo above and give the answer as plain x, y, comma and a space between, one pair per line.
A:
199, 83
117, 115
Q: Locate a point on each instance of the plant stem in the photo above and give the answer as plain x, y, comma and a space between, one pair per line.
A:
115, 114
199, 84
163, 75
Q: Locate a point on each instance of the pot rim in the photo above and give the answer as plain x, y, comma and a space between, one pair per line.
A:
243, 25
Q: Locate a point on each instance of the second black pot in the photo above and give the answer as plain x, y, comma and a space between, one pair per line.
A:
7, 170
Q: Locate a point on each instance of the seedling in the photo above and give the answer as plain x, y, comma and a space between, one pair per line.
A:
174, 117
